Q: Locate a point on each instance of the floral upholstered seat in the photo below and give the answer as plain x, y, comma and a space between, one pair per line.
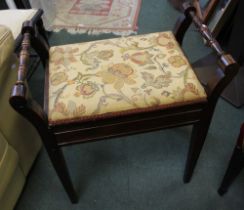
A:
118, 87
119, 76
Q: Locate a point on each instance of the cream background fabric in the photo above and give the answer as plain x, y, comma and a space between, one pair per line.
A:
126, 74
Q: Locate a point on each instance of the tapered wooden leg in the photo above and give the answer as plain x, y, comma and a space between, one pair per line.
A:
61, 169
198, 137
235, 165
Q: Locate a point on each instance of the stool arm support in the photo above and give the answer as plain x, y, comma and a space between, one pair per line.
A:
226, 62
20, 99
183, 23
37, 16
228, 67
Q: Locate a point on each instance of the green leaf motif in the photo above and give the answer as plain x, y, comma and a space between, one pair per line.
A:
151, 68
159, 82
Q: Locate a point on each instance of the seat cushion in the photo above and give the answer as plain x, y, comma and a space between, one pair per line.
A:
119, 76
14, 18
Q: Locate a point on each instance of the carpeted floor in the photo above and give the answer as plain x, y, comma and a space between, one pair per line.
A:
142, 172
97, 16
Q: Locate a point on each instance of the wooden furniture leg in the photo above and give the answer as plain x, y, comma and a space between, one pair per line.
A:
85, 119
198, 137
236, 164
57, 158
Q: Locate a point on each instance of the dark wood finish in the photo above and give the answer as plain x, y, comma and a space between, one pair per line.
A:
203, 13
36, 21
3, 5
209, 10
235, 44
236, 163
199, 12
56, 136
22, 4
183, 23
39, 54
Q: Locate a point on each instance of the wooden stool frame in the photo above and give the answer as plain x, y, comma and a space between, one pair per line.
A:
55, 137
236, 163
37, 22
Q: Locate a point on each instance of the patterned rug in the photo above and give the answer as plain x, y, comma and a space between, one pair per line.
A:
97, 16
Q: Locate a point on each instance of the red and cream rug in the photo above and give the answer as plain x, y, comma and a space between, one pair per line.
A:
97, 16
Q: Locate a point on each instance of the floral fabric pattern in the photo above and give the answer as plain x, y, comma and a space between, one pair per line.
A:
121, 75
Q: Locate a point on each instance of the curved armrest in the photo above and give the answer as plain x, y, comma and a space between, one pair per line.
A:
228, 67
20, 100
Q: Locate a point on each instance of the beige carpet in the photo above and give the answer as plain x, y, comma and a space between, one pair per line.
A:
97, 16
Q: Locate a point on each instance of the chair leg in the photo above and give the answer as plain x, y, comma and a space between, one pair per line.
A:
59, 164
198, 137
235, 165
